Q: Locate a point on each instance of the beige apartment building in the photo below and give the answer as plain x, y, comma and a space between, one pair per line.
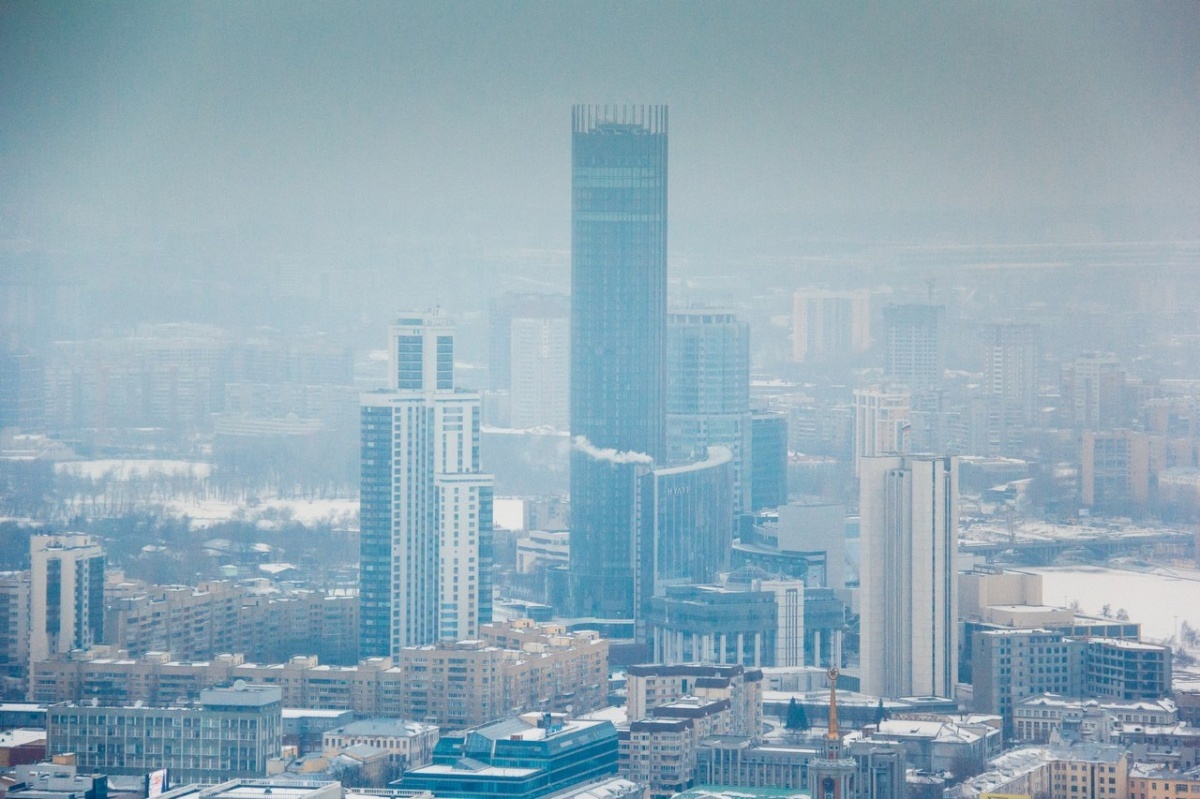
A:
516, 667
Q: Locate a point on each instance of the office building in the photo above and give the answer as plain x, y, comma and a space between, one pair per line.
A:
708, 390
744, 761
66, 594
618, 340
713, 624
684, 525
882, 423
768, 460
526, 757
828, 325
915, 352
1008, 666
909, 575
232, 733
425, 505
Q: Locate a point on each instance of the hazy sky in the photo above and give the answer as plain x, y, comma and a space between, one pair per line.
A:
381, 124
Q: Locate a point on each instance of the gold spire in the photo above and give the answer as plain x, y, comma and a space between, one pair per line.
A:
833, 724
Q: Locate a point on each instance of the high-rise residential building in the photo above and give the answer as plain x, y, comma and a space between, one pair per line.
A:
14, 633
540, 364
618, 340
66, 600
830, 324
768, 460
882, 423
1093, 389
708, 390
1012, 360
915, 350
425, 505
909, 575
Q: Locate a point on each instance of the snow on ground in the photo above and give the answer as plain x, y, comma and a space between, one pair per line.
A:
205, 512
133, 469
1158, 598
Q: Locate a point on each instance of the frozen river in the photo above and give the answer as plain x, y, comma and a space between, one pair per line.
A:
1159, 599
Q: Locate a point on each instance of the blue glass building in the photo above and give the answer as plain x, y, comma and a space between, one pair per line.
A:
618, 340
519, 758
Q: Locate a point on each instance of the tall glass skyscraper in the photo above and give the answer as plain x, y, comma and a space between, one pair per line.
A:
618, 340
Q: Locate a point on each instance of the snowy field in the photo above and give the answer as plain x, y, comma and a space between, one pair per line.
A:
202, 512
1157, 598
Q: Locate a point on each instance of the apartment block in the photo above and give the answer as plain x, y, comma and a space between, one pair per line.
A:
652, 685
516, 667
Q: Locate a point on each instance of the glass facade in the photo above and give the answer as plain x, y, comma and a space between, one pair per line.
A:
618, 339
708, 390
685, 525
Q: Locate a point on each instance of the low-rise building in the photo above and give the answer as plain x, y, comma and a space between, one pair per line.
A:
743, 761
1037, 718
1151, 781
22, 747
408, 744
934, 743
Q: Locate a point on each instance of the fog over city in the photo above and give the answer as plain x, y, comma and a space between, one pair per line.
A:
801, 353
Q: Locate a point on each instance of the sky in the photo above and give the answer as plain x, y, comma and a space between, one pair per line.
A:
352, 128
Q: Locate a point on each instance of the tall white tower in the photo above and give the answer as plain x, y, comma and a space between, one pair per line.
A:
426, 508
909, 540
66, 594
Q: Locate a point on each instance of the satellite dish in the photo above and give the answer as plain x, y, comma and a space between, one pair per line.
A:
239, 685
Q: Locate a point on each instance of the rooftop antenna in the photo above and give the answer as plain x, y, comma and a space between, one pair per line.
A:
930, 282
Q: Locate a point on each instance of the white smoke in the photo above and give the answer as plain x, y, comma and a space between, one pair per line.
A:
611, 455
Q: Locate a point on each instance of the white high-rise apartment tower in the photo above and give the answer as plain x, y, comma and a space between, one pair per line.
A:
426, 507
882, 423
66, 594
909, 594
